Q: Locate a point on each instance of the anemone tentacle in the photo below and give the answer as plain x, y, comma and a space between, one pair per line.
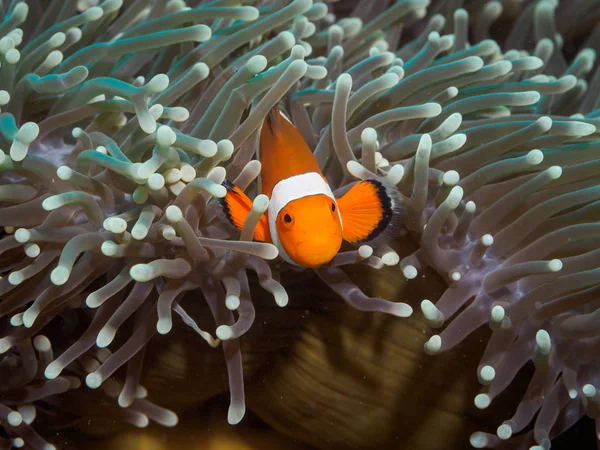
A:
121, 120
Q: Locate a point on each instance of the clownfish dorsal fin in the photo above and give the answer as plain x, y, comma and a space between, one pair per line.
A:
272, 119
368, 210
236, 206
283, 153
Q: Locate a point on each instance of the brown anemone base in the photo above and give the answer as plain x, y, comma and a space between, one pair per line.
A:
320, 373
204, 431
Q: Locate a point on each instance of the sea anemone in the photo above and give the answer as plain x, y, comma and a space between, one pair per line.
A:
121, 121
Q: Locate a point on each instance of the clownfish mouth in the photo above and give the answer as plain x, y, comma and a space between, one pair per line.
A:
312, 254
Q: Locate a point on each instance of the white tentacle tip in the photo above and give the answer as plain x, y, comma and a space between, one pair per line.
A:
455, 196
402, 310
554, 172
174, 214
158, 83
478, 440
356, 169
163, 326
504, 432
432, 314
170, 419
14, 419
410, 272
165, 136
365, 251
555, 265
368, 135
93, 380
487, 374
232, 302
60, 275
482, 401
589, 391
394, 176
224, 332
390, 258
281, 299
42, 343
344, 81
535, 157
425, 141
53, 370
543, 342
141, 272
497, 315
573, 394
433, 345
257, 64
22, 235
545, 123
260, 203
235, 414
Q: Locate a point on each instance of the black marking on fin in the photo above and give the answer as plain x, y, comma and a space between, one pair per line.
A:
388, 211
228, 185
230, 189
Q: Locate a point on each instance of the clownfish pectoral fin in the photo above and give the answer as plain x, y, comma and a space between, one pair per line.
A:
367, 210
236, 206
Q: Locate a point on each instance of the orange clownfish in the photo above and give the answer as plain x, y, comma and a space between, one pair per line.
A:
304, 219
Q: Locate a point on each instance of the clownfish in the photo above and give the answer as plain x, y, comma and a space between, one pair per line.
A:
304, 219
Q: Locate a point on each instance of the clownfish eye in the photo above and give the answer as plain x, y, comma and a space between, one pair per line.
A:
287, 220
332, 207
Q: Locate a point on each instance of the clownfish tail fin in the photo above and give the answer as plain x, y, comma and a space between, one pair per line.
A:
236, 207
369, 210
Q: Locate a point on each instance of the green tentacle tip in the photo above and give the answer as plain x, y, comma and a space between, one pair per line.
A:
57, 39
176, 114
20, 12
157, 83
60, 275
110, 6
109, 248
147, 122
92, 14
201, 33
54, 202
24, 137
156, 181
115, 225
165, 137
4, 98
54, 84
141, 272
64, 173
12, 56
22, 235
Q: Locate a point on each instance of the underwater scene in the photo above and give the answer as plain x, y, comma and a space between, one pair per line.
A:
299, 224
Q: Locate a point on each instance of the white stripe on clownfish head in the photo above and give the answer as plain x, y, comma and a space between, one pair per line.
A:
293, 188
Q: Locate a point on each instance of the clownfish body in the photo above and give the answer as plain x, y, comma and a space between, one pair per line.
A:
304, 219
